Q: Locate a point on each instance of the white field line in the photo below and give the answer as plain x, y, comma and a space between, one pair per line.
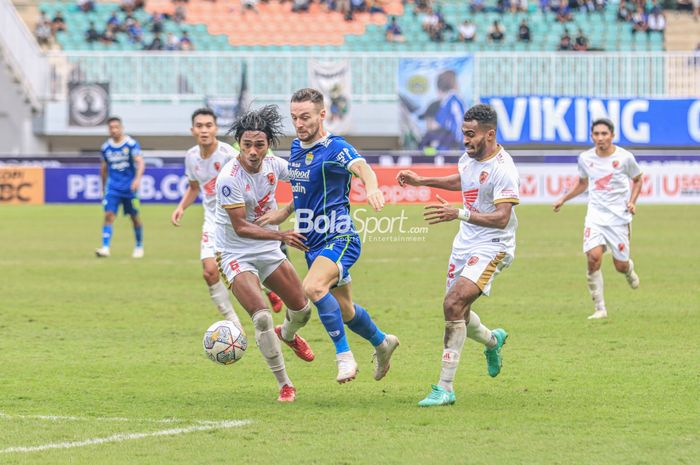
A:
129, 436
115, 419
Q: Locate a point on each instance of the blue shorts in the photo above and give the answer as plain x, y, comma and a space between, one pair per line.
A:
130, 202
343, 250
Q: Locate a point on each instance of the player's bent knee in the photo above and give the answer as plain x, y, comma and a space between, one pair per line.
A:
211, 277
452, 307
313, 291
622, 267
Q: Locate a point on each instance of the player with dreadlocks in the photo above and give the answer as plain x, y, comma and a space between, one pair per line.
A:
248, 254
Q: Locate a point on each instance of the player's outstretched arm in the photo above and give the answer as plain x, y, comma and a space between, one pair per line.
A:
276, 217
245, 228
636, 189
448, 183
187, 200
366, 174
140, 168
443, 211
578, 189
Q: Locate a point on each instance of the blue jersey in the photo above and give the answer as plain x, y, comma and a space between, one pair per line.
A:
320, 180
121, 168
450, 116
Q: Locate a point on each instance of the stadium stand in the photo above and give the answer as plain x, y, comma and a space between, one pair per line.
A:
223, 25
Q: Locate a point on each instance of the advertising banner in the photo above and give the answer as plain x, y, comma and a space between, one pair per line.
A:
664, 182
334, 80
567, 120
21, 185
433, 96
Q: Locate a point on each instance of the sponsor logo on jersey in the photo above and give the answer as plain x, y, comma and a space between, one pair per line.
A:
217, 166
298, 189
210, 187
470, 197
299, 175
271, 178
473, 260
247, 187
483, 176
226, 191
621, 247
125, 150
616, 163
603, 184
309, 158
260, 208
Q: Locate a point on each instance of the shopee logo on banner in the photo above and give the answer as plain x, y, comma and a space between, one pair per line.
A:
393, 193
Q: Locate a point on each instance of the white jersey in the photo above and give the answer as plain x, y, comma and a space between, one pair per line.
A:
235, 188
485, 184
204, 171
608, 185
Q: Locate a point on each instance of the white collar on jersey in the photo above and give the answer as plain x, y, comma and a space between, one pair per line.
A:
318, 141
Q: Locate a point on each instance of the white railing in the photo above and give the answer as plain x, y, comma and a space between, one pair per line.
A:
22, 54
176, 77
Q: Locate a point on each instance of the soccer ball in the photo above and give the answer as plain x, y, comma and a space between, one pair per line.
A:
224, 343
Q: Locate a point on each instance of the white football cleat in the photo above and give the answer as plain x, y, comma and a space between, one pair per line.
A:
137, 253
347, 367
382, 356
632, 279
599, 314
102, 252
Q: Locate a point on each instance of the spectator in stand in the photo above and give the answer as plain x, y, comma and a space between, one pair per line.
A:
109, 36
86, 6
172, 42
157, 22
91, 35
180, 12
581, 42
423, 6
186, 44
58, 23
127, 6
375, 6
114, 21
623, 13
657, 21
299, 6
477, 6
135, 32
639, 21
250, 5
524, 31
393, 32
156, 43
544, 6
467, 31
600, 5
564, 12
496, 32
42, 30
565, 41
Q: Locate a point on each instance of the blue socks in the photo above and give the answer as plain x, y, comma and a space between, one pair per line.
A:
363, 325
330, 316
138, 232
106, 235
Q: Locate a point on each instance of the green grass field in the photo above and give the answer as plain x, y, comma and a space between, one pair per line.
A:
95, 349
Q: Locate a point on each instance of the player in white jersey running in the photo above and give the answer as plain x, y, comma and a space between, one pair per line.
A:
484, 246
202, 165
249, 254
605, 171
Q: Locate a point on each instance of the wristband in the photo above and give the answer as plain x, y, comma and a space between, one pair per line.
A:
464, 215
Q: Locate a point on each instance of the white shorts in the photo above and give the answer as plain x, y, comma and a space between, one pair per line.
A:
263, 265
207, 243
479, 265
617, 238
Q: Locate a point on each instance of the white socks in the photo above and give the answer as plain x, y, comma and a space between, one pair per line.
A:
455, 334
595, 287
269, 345
219, 295
295, 320
479, 332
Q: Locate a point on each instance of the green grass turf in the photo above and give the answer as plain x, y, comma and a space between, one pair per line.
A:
118, 337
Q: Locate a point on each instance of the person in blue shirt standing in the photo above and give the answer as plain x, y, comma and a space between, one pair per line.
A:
321, 166
121, 171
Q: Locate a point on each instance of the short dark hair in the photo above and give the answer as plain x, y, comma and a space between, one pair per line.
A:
111, 119
447, 81
203, 111
308, 95
606, 122
267, 119
483, 114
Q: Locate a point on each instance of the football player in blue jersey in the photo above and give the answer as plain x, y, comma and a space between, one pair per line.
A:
121, 171
321, 166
